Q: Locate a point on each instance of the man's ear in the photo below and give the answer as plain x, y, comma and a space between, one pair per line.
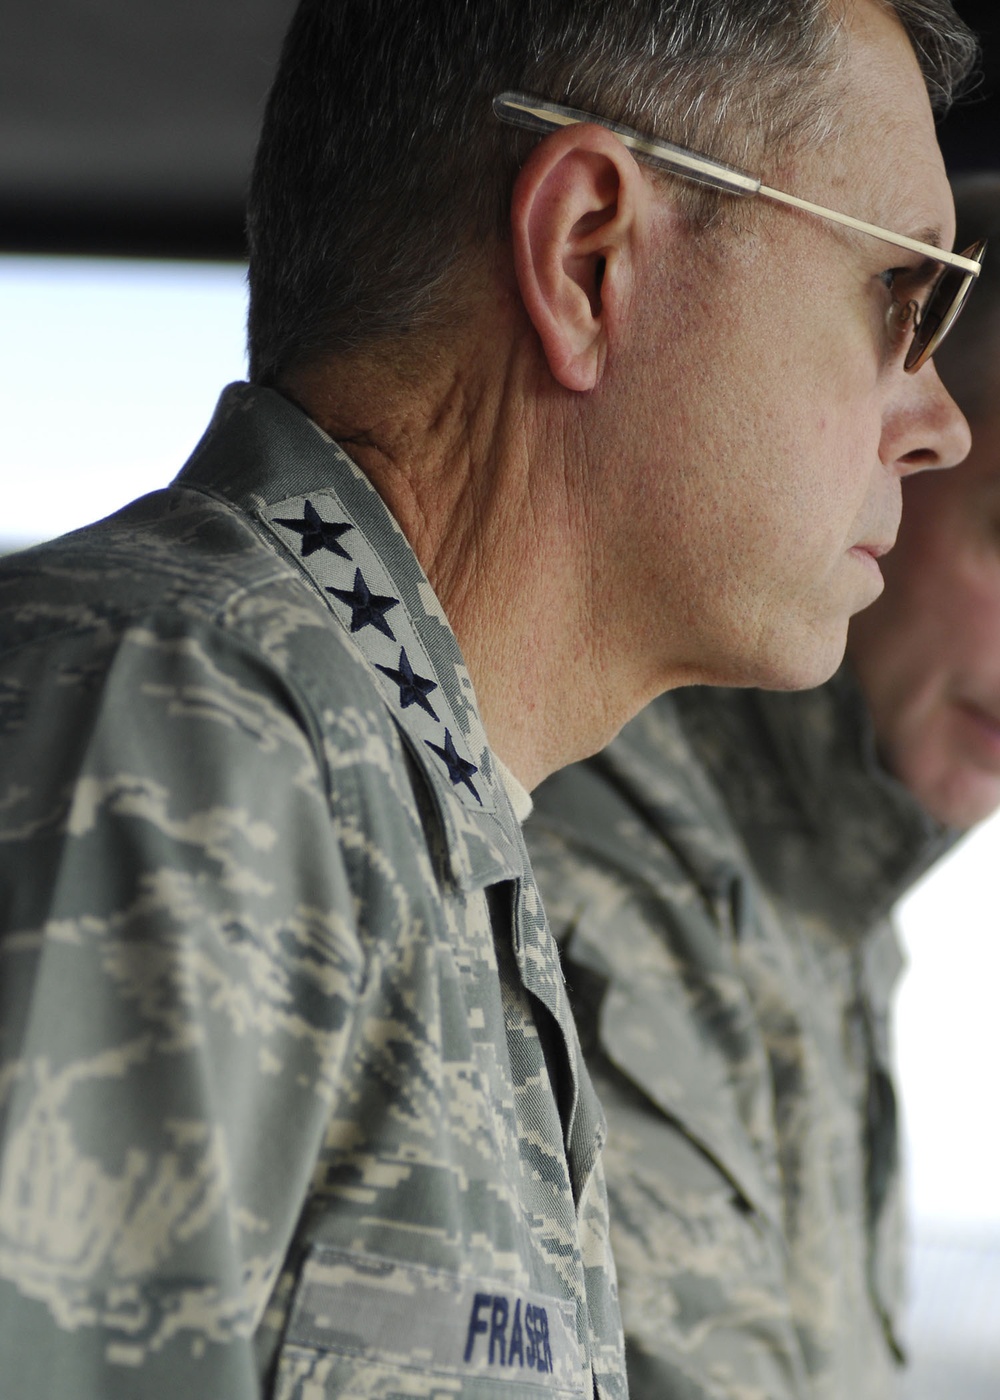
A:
577, 212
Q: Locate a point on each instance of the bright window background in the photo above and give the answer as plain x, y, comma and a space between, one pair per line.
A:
948, 1049
109, 373
948, 1036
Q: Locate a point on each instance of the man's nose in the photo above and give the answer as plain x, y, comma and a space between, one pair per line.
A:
926, 430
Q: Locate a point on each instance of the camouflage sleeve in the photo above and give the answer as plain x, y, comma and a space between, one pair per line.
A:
178, 965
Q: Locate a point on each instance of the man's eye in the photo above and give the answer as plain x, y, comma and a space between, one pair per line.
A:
917, 281
892, 275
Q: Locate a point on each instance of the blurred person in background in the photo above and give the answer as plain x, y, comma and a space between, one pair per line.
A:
291, 1099
720, 880
927, 652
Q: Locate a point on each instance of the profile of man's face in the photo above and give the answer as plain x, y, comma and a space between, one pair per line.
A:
928, 652
769, 410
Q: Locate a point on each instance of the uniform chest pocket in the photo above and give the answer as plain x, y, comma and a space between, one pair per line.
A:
366, 1326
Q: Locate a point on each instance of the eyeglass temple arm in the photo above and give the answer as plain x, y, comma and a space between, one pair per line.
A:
534, 114
900, 240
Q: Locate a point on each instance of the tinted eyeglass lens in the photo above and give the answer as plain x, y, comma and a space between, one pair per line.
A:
948, 295
938, 313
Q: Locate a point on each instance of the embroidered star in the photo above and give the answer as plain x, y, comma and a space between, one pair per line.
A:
318, 533
460, 770
413, 689
367, 609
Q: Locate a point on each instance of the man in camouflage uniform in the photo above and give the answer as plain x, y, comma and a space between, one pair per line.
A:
721, 877
291, 1102
279, 1000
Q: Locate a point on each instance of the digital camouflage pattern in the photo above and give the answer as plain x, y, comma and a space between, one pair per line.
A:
719, 879
291, 1101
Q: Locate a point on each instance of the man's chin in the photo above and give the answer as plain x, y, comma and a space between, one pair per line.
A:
960, 797
803, 666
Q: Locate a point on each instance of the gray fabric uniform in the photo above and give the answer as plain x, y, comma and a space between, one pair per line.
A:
291, 1100
719, 878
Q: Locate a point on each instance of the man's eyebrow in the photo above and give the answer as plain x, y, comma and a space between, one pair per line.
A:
931, 235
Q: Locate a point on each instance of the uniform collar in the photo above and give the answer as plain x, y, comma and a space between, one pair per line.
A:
319, 510
800, 772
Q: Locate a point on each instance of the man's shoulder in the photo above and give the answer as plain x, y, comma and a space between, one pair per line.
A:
645, 809
180, 600
174, 564
628, 842
176, 610
175, 548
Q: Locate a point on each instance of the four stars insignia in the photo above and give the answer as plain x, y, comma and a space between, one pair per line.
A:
368, 609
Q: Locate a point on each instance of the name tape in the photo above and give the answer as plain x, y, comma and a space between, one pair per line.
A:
409, 1316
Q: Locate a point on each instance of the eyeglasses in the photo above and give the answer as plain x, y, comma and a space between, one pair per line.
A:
930, 323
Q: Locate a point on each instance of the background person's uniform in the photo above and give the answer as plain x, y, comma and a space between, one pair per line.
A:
290, 1094
719, 878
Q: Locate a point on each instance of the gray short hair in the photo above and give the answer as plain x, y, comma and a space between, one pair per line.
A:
969, 360
381, 164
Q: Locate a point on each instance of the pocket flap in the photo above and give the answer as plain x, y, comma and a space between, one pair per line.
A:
686, 1038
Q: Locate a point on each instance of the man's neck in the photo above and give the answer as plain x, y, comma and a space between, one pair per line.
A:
484, 492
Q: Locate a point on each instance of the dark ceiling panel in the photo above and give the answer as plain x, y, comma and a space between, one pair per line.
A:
154, 101
970, 135
127, 122
128, 126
